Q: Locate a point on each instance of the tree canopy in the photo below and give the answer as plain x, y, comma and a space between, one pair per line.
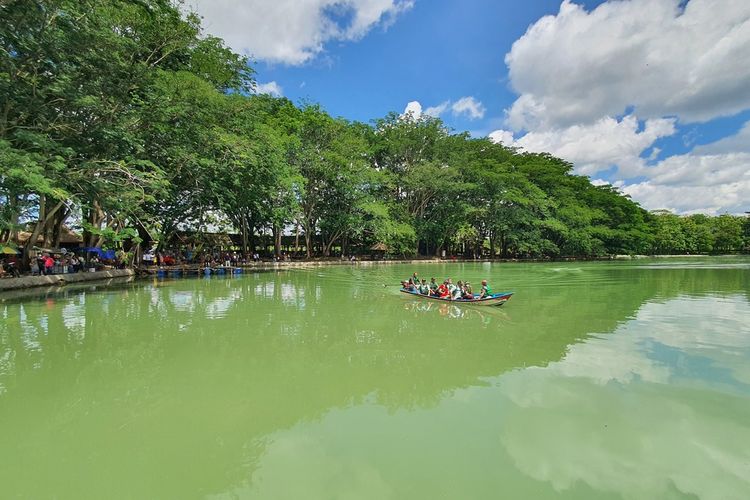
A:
123, 119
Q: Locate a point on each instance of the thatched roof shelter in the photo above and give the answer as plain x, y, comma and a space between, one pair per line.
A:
67, 237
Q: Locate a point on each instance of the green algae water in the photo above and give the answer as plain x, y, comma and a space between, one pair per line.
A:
597, 380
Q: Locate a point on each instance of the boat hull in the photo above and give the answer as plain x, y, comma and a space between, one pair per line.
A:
496, 299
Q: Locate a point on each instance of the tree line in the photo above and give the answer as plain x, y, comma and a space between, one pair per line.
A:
123, 119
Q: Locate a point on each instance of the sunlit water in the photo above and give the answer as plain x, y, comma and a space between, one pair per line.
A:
597, 380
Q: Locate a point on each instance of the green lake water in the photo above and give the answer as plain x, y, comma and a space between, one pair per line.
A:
597, 380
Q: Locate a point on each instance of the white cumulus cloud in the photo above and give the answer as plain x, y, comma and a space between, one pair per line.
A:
293, 32
599, 87
272, 88
468, 106
657, 56
605, 143
713, 178
704, 183
413, 109
504, 137
438, 110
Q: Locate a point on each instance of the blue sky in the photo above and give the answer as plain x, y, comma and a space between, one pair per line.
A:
649, 95
434, 52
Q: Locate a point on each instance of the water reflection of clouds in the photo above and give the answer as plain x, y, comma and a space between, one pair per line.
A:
621, 417
218, 308
182, 300
643, 444
315, 469
711, 328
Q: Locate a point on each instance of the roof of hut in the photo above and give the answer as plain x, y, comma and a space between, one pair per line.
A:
67, 237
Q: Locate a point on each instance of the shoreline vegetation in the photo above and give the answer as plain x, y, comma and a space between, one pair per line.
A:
126, 123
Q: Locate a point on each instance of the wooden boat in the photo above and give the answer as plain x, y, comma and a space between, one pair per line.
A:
496, 299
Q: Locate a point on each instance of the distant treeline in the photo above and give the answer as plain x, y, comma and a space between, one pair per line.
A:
121, 118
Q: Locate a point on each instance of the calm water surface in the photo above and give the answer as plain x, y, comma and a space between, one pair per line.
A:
598, 380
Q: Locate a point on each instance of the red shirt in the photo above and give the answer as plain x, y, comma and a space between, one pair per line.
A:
49, 262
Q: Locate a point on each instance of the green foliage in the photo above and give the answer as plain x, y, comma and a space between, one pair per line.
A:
111, 238
121, 117
696, 234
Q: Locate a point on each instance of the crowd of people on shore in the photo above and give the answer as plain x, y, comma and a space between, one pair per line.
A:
208, 259
45, 263
445, 290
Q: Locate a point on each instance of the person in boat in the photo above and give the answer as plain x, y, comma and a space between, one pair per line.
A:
458, 291
424, 288
433, 287
451, 287
486, 290
468, 293
413, 280
442, 291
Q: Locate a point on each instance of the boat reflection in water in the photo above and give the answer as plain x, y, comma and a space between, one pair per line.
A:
453, 311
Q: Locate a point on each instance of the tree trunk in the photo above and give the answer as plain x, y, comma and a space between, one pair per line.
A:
276, 231
251, 237
43, 220
94, 217
243, 232
12, 233
327, 246
296, 239
308, 244
57, 229
309, 227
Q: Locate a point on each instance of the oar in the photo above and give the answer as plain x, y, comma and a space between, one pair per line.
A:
392, 284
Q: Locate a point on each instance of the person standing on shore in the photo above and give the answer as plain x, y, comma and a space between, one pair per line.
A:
49, 264
40, 264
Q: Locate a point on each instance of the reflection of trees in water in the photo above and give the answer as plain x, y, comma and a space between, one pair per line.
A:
229, 361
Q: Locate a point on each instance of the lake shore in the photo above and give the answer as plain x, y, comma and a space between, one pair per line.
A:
64, 279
